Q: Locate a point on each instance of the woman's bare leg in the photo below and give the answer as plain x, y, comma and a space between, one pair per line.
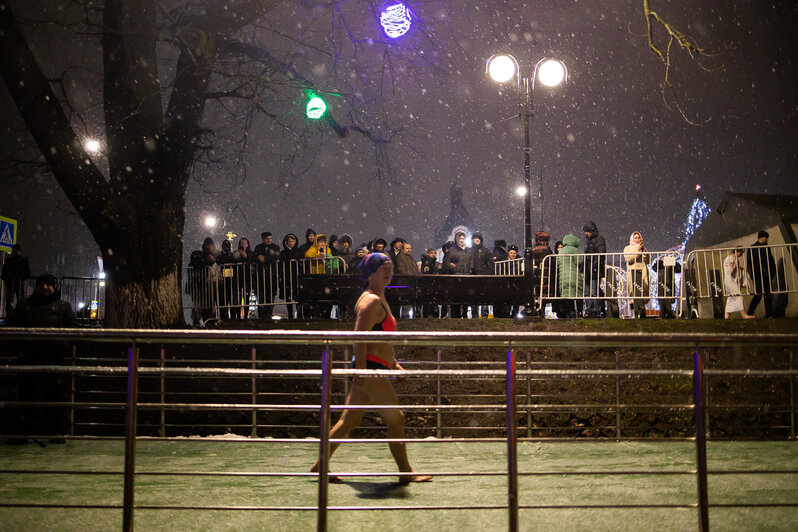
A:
349, 421
381, 392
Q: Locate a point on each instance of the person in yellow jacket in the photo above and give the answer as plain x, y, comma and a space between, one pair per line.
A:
319, 251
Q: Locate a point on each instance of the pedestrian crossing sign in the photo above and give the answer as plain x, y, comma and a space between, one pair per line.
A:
8, 233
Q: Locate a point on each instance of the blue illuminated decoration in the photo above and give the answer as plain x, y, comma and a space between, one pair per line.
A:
395, 20
698, 213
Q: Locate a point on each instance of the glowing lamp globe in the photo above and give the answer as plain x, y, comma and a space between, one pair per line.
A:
92, 145
551, 72
395, 20
521, 190
501, 68
316, 108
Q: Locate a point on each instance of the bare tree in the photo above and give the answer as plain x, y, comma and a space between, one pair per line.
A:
161, 65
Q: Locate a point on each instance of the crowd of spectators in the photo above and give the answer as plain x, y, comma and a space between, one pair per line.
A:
573, 282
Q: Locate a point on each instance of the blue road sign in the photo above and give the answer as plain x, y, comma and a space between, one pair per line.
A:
8, 233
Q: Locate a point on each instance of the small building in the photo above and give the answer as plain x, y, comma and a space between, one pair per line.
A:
736, 221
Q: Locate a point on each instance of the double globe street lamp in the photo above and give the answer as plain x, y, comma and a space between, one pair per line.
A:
551, 73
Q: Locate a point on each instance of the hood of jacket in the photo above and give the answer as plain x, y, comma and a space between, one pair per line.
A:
481, 240
285, 241
570, 240
590, 227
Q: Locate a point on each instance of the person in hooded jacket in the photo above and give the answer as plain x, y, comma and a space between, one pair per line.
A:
637, 260
310, 238
456, 261
289, 271
267, 253
479, 263
545, 281
44, 308
594, 269
571, 281
346, 251
197, 282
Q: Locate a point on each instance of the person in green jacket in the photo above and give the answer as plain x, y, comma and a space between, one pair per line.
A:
570, 276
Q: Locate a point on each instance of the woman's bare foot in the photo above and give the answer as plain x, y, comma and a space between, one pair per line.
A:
727, 315
332, 479
749, 316
408, 478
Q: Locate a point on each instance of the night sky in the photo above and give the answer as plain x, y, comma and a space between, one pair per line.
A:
608, 147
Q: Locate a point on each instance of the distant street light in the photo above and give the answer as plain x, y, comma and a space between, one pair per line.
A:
550, 72
521, 190
92, 145
210, 222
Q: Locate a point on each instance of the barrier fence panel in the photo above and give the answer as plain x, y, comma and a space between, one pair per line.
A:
509, 267
769, 271
146, 397
238, 290
610, 284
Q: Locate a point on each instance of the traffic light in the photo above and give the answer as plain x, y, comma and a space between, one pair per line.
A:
316, 107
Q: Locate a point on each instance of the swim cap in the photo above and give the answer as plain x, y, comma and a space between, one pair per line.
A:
372, 262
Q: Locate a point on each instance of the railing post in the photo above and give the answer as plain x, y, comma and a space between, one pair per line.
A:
792, 400
438, 428
130, 437
254, 386
528, 394
700, 442
163, 392
324, 439
617, 398
512, 444
72, 392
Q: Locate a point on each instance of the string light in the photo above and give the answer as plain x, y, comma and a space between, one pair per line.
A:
698, 213
395, 20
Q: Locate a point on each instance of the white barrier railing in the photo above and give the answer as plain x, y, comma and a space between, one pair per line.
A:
629, 282
508, 267
229, 291
711, 274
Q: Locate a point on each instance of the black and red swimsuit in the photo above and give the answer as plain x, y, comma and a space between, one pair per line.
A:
388, 324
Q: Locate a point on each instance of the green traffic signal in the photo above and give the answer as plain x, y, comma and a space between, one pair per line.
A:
316, 108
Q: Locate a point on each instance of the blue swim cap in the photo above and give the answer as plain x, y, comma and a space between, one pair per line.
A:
372, 262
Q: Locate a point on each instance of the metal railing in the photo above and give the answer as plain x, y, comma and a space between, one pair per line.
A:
509, 267
510, 343
86, 296
768, 271
231, 291
623, 280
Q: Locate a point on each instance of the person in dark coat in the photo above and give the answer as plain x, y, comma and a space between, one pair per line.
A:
44, 308
479, 257
457, 260
594, 269
479, 263
762, 267
666, 268
15, 270
346, 252
397, 244
545, 281
227, 271
499, 251
289, 271
197, 282
244, 258
267, 253
429, 266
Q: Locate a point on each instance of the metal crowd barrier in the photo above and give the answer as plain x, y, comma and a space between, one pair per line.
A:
86, 295
764, 270
620, 281
511, 375
234, 291
509, 267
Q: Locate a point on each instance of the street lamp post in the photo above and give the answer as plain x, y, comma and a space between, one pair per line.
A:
550, 72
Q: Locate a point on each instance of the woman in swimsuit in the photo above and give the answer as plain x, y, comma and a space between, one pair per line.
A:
373, 313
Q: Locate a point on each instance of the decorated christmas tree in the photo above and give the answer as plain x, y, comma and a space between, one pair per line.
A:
698, 213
